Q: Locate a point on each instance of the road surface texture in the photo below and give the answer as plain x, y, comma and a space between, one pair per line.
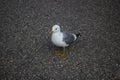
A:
26, 52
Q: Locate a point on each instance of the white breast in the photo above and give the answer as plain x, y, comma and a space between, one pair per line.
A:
57, 39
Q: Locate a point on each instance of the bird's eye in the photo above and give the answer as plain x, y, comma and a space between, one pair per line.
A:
56, 29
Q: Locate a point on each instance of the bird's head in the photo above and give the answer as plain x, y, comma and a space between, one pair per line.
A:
55, 28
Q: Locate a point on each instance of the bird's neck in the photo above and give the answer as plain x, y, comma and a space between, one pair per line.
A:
58, 32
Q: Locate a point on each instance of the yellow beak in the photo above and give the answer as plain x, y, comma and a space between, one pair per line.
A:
50, 32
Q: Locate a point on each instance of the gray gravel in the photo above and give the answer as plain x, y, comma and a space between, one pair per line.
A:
26, 52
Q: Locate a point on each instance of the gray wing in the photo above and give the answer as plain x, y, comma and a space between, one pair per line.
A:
68, 38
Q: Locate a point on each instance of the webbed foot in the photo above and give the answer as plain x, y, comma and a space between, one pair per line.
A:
62, 55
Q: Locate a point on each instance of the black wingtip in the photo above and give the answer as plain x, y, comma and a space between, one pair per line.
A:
78, 35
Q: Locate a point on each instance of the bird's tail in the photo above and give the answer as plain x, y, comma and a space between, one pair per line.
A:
78, 35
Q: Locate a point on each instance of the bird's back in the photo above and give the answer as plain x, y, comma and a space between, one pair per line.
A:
68, 38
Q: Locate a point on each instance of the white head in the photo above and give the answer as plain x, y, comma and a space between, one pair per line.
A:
56, 28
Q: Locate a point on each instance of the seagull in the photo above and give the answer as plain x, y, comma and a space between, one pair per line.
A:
62, 39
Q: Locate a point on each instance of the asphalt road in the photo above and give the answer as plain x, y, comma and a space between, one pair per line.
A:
26, 52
